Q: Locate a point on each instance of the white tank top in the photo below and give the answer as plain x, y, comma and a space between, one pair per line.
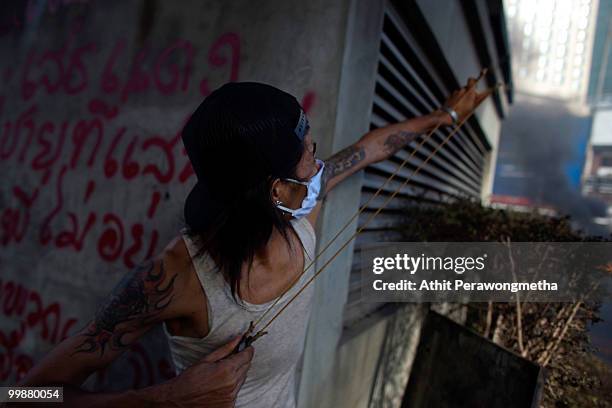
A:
270, 381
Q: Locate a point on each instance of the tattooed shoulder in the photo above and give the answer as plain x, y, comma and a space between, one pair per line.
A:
134, 304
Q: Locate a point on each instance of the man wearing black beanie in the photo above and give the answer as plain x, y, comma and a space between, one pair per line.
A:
248, 237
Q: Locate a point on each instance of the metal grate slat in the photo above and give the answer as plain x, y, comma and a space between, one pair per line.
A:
408, 85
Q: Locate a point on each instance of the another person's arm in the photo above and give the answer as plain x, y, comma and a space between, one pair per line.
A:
146, 296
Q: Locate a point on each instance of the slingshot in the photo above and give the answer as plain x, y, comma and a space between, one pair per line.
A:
248, 338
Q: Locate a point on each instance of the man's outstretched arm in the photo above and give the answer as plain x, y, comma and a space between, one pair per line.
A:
375, 146
381, 143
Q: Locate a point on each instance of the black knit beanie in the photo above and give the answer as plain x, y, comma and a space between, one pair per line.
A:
241, 134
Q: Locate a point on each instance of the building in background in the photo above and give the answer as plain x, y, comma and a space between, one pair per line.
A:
597, 173
600, 80
544, 141
555, 143
552, 46
597, 176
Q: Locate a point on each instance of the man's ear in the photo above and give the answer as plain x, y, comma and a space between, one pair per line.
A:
276, 190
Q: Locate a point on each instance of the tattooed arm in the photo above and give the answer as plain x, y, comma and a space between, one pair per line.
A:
155, 291
374, 146
377, 145
381, 143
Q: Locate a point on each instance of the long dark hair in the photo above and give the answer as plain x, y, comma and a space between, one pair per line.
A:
239, 141
240, 231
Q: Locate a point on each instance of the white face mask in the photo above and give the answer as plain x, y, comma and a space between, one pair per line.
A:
310, 201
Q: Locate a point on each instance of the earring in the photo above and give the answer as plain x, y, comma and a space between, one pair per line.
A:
278, 202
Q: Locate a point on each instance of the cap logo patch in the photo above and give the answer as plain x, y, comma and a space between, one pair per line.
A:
302, 126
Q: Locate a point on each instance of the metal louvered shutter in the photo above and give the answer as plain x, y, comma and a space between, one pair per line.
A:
407, 85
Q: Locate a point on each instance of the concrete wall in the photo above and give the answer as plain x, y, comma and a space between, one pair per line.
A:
378, 361
354, 106
94, 174
354, 370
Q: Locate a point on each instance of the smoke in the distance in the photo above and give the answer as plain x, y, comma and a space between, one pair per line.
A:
541, 156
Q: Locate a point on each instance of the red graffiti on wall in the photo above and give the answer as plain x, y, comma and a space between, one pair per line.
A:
216, 59
308, 101
64, 70
58, 70
55, 149
47, 323
83, 142
75, 157
42, 320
